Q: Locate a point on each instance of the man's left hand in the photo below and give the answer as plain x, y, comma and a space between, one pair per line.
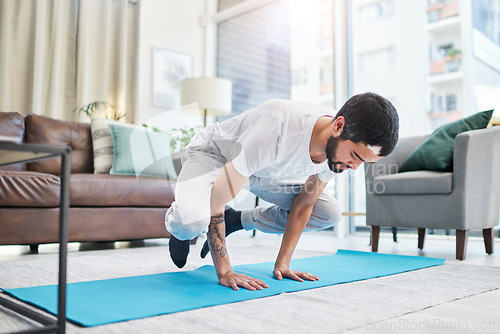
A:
283, 271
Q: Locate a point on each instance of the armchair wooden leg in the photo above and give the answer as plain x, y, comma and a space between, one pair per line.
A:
421, 238
462, 236
374, 238
488, 240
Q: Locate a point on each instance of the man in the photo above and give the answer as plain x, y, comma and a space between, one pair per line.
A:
285, 152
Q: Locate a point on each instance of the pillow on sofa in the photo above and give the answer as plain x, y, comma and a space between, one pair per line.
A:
12, 127
436, 153
102, 145
495, 121
138, 151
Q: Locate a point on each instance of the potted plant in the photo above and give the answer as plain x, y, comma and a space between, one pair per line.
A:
452, 59
99, 109
179, 138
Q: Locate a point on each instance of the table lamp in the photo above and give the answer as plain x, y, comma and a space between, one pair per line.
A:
213, 95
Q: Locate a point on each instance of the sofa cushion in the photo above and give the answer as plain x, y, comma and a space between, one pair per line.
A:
436, 153
45, 130
12, 125
102, 144
138, 151
29, 189
413, 183
34, 189
104, 190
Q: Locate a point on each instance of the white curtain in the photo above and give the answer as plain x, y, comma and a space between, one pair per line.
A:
59, 54
106, 53
37, 63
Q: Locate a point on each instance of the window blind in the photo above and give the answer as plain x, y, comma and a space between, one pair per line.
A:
253, 52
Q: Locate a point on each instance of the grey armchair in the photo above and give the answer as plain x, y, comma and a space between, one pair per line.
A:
465, 199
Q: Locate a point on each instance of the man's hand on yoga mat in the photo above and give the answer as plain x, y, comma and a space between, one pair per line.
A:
234, 280
281, 271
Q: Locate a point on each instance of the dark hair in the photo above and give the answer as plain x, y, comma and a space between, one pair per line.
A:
371, 119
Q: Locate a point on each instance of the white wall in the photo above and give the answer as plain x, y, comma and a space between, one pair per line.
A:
173, 25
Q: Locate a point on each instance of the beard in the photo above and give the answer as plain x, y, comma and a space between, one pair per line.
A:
331, 150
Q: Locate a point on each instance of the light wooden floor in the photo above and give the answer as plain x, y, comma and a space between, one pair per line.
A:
476, 314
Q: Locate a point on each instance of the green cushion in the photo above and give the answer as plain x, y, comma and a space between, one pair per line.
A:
138, 151
436, 153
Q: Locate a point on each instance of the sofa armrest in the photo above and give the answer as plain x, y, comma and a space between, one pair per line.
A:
476, 168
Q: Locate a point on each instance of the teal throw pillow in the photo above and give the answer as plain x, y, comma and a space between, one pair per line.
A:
138, 151
436, 153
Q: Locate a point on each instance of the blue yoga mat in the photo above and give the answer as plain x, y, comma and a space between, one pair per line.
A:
112, 300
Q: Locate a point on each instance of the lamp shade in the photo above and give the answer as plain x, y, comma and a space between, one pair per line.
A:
213, 95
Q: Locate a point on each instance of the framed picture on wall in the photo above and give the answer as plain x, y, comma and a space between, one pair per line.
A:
169, 69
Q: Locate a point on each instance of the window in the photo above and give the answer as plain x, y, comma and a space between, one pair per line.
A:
451, 102
254, 53
376, 11
280, 50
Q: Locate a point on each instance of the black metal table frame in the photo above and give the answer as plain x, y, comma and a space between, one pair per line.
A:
40, 152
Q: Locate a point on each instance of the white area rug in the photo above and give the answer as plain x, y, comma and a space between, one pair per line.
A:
331, 309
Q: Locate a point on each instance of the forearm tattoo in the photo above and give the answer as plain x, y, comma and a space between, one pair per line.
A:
215, 236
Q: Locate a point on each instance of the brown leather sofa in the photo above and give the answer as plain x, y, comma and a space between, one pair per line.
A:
103, 207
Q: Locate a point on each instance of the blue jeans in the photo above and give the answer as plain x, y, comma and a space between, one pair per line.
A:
326, 212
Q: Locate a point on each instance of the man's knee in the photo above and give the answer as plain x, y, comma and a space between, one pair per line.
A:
185, 228
333, 217
328, 213
189, 231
